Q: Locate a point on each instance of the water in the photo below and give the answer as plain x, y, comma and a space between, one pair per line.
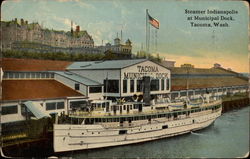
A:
228, 137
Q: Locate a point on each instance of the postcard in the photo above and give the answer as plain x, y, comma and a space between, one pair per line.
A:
124, 78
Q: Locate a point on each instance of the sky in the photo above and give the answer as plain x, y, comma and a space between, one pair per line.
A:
176, 39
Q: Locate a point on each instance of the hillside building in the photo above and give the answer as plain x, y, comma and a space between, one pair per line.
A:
32, 37
118, 49
27, 35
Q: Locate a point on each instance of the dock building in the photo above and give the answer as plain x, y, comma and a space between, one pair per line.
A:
44, 87
190, 81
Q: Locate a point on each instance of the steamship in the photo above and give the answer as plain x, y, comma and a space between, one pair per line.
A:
103, 123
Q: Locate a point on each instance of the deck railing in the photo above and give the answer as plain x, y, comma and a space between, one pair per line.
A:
82, 114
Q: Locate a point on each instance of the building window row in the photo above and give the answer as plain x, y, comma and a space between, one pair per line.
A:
54, 105
24, 75
154, 85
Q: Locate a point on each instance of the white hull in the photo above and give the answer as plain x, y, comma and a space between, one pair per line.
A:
80, 137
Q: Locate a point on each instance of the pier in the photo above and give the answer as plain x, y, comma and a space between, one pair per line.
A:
235, 102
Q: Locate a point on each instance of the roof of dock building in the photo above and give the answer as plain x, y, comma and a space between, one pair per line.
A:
14, 64
35, 89
78, 78
109, 64
213, 82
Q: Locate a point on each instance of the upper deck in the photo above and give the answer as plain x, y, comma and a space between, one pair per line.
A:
147, 111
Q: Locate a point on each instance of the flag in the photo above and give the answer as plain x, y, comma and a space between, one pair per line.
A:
155, 23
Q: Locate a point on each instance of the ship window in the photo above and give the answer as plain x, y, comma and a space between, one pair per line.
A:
135, 106
183, 93
164, 126
9, 110
78, 104
190, 93
116, 119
